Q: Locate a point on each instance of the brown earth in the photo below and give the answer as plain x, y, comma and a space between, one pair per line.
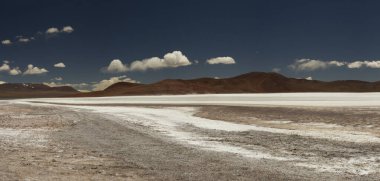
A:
20, 90
255, 82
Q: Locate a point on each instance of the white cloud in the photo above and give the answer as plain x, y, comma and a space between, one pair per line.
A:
2, 82
106, 83
52, 30
58, 78
372, 64
6, 42
368, 64
31, 70
5, 67
78, 86
170, 60
15, 71
311, 64
355, 65
175, 59
116, 66
24, 40
309, 78
150, 63
337, 63
53, 84
221, 60
11, 71
60, 65
277, 70
67, 29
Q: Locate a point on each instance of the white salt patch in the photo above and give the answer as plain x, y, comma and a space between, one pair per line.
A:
205, 144
279, 122
355, 165
320, 125
22, 136
176, 116
272, 99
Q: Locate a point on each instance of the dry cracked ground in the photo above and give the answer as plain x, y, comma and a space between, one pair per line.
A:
52, 142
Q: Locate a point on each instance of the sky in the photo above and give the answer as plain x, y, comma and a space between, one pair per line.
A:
91, 44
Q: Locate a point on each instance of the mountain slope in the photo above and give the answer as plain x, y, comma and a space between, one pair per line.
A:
20, 90
255, 82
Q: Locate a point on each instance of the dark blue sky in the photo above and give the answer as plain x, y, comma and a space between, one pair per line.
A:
259, 35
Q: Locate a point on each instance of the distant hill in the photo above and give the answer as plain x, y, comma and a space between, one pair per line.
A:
255, 82
21, 90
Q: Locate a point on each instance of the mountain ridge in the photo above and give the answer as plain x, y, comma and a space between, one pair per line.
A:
33, 90
253, 82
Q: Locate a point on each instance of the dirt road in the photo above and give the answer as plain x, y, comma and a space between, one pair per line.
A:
46, 142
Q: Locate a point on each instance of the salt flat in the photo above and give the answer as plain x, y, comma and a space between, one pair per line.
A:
269, 99
314, 135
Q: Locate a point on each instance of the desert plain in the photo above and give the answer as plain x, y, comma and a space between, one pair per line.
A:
287, 136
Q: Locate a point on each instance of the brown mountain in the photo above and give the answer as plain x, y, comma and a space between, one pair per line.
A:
255, 82
20, 90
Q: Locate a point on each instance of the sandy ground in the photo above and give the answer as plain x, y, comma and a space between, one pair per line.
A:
53, 142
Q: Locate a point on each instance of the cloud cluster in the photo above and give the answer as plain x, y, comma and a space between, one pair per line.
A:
65, 29
170, 60
6, 42
360, 64
60, 65
108, 82
32, 70
5, 67
80, 86
23, 39
48, 33
18, 39
221, 60
311, 64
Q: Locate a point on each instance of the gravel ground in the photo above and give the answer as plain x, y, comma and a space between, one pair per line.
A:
56, 143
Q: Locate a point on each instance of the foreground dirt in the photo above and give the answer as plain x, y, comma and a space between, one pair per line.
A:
53, 143
39, 143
